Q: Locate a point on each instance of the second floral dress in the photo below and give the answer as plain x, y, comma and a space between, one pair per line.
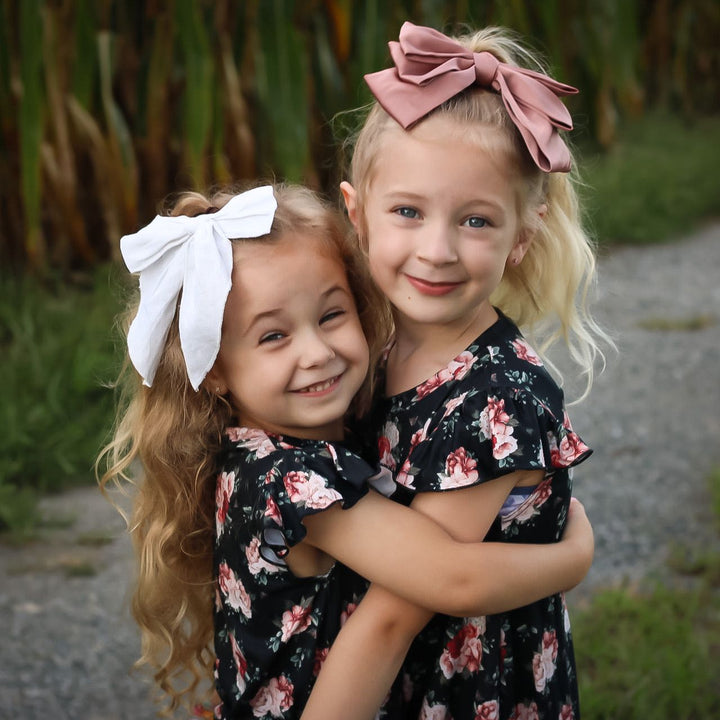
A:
493, 410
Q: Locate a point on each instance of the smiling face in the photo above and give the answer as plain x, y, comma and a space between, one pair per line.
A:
441, 222
293, 353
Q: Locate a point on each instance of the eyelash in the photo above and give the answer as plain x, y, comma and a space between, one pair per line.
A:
276, 335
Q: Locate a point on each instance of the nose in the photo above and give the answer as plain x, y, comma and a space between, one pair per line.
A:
437, 245
315, 350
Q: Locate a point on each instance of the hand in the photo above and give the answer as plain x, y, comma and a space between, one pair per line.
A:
579, 533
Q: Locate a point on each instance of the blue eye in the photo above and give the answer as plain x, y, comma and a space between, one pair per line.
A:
407, 212
476, 222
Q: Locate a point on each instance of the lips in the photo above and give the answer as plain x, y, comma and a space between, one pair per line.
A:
427, 287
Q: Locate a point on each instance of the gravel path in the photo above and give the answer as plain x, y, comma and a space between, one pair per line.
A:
653, 418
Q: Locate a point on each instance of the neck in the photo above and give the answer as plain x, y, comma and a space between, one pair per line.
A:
422, 349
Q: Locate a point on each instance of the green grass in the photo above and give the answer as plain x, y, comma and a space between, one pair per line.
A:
655, 653
657, 183
55, 355
652, 655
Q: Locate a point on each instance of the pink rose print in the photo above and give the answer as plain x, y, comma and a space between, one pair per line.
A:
525, 352
273, 698
450, 405
489, 710
240, 664
309, 489
253, 439
525, 712
256, 562
495, 424
464, 651
434, 712
295, 621
456, 370
234, 591
459, 470
404, 477
347, 612
273, 511
223, 493
320, 655
566, 713
544, 661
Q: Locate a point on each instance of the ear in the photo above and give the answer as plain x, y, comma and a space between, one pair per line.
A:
350, 196
214, 382
526, 237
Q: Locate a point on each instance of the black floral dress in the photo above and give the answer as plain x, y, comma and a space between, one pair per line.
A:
493, 410
273, 629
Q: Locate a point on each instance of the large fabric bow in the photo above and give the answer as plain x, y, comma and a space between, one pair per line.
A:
430, 68
192, 254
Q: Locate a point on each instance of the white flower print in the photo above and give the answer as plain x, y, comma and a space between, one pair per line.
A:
253, 439
234, 591
256, 562
495, 424
309, 489
387, 441
544, 661
434, 712
460, 470
273, 698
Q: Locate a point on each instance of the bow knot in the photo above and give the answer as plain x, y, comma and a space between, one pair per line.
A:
192, 255
430, 68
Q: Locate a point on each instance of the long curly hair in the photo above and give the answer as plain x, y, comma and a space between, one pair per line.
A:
163, 452
547, 294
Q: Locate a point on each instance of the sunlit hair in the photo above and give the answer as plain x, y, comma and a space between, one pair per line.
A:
547, 294
164, 448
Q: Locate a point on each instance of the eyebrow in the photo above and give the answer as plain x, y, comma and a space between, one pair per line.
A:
278, 311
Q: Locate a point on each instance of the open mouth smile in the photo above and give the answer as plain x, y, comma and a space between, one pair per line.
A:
319, 388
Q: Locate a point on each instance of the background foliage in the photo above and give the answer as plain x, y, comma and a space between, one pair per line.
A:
109, 105
106, 106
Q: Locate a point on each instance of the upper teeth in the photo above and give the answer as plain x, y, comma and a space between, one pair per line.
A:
320, 386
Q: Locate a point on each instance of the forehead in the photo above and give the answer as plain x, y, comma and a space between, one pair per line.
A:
442, 150
279, 272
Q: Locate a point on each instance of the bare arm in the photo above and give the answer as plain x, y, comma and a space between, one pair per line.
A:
375, 640
468, 578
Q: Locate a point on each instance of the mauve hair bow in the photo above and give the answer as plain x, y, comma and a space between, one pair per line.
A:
192, 254
430, 68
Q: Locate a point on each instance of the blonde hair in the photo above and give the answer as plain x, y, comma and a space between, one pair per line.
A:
174, 433
547, 294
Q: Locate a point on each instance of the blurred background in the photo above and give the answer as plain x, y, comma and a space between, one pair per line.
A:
108, 106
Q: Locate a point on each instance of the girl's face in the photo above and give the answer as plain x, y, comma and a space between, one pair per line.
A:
293, 353
442, 221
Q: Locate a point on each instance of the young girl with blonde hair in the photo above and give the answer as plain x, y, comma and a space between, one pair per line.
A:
255, 328
463, 202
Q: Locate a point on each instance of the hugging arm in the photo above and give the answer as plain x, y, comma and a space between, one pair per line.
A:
398, 549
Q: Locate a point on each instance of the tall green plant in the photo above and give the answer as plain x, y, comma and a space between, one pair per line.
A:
30, 124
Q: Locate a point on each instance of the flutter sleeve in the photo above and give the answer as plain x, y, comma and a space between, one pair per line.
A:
482, 435
304, 482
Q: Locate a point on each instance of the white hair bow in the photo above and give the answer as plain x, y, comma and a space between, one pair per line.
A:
192, 254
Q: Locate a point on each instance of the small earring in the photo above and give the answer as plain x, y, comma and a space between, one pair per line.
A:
217, 389
516, 261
